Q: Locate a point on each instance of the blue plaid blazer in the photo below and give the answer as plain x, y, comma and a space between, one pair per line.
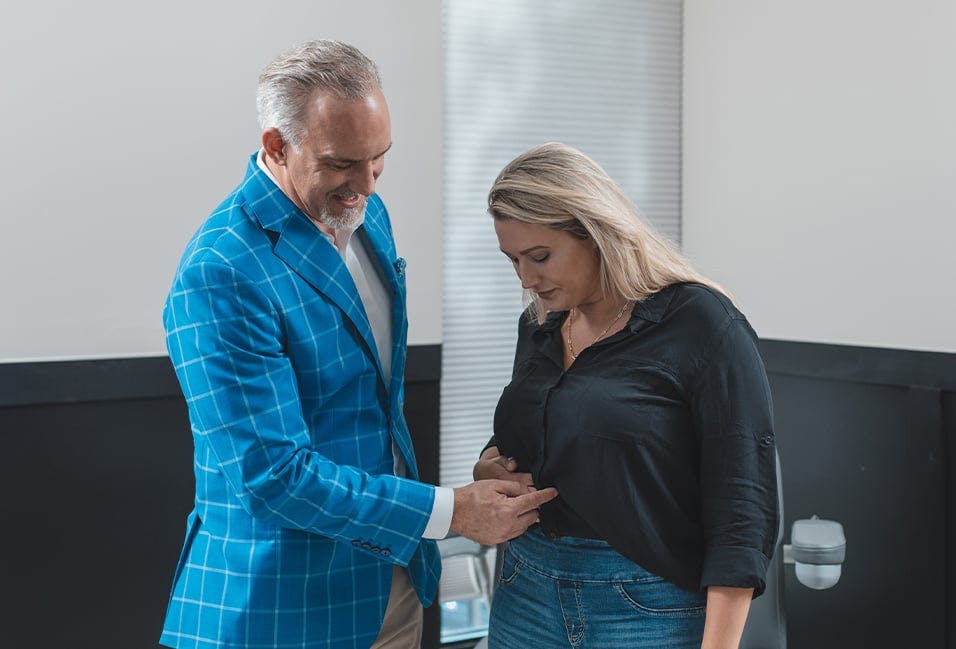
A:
298, 517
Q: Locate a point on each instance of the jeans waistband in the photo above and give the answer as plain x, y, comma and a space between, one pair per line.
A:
568, 557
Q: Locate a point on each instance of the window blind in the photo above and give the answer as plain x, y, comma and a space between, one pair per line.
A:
603, 76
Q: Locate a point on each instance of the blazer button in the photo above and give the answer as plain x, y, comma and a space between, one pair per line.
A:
766, 440
386, 552
376, 550
356, 542
367, 546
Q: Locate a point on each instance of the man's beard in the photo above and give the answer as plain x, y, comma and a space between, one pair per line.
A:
350, 218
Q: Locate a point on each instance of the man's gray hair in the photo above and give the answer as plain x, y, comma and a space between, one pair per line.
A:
287, 83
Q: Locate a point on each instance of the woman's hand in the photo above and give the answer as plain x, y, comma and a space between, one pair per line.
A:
493, 465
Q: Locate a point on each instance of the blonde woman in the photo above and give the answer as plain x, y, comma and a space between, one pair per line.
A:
639, 393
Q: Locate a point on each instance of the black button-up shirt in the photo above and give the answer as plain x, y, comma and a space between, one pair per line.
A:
658, 438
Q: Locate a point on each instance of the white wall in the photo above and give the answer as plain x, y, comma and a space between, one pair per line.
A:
126, 123
819, 165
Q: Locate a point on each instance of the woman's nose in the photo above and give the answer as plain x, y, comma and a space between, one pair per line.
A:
529, 279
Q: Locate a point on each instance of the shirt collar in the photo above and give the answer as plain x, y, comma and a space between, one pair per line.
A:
261, 162
654, 307
553, 320
651, 309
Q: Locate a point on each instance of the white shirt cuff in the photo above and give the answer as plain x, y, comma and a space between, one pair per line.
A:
442, 509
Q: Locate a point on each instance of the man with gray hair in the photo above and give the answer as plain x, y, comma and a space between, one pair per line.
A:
286, 325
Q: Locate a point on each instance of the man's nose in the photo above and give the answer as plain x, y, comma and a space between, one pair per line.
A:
362, 180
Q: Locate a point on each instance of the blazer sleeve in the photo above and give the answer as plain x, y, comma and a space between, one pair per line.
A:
225, 341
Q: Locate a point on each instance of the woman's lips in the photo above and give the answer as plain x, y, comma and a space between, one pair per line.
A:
546, 295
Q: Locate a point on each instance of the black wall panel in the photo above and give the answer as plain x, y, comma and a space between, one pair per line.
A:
95, 485
948, 568
866, 442
96, 480
94, 502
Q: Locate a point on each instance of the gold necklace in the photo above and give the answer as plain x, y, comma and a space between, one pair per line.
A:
571, 353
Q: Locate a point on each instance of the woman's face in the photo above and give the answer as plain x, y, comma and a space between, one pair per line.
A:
561, 269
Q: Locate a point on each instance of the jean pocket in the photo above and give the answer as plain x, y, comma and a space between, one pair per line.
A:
509, 567
661, 598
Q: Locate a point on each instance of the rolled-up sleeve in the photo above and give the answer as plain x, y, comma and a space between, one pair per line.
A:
733, 419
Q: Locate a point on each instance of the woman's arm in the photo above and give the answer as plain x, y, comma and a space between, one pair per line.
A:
727, 610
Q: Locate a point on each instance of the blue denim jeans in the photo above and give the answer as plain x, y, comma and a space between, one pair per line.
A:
570, 592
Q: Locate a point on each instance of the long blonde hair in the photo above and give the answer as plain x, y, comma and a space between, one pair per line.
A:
561, 188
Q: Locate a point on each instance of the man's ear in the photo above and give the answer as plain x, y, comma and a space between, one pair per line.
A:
274, 145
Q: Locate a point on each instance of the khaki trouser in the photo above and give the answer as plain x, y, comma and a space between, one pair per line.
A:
402, 626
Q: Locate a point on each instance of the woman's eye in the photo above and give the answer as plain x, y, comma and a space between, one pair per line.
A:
540, 259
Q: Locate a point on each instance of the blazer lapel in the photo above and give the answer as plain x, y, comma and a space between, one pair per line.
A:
309, 254
313, 257
389, 269
298, 243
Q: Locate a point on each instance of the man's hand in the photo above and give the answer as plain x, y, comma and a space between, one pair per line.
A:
494, 511
493, 465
